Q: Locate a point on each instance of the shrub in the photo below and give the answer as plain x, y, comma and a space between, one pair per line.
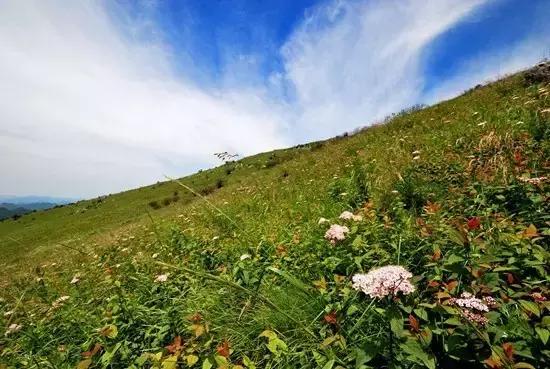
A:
154, 204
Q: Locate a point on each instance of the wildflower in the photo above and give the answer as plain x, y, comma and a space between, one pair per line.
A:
155, 255
348, 215
13, 328
75, 279
244, 257
8, 313
336, 233
162, 277
468, 301
475, 317
322, 220
416, 152
490, 301
533, 181
384, 281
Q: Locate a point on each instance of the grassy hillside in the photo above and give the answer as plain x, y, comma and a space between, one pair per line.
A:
236, 273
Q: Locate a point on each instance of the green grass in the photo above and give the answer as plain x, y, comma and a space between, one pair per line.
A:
247, 256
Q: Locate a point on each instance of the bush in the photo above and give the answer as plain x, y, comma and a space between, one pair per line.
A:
155, 205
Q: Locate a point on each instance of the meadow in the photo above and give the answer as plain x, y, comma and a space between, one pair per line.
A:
233, 267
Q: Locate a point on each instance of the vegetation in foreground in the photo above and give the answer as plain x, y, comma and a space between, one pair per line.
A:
432, 252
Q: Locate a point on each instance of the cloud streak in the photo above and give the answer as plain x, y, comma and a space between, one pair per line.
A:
88, 107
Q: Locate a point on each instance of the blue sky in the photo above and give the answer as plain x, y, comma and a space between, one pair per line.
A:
103, 96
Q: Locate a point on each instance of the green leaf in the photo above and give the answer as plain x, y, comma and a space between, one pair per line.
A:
170, 362
192, 359
206, 364
329, 364
248, 363
544, 334
109, 331
530, 306
417, 354
291, 279
421, 313
270, 335
453, 259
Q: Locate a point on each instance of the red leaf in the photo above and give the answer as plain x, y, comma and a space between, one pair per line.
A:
331, 318
175, 346
451, 285
223, 349
97, 347
508, 350
473, 223
510, 278
437, 255
414, 324
433, 284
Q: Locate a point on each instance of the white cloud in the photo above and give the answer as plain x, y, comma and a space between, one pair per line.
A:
84, 111
353, 62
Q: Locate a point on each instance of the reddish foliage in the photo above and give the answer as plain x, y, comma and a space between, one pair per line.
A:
436, 255
175, 346
331, 318
414, 324
508, 350
473, 223
223, 349
97, 347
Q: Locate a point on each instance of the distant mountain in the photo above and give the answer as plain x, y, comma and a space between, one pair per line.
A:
30, 205
35, 199
11, 206
9, 213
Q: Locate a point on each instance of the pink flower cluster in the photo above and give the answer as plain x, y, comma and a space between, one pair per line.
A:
384, 281
336, 233
468, 301
473, 308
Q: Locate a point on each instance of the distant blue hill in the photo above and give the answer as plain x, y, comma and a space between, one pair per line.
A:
16, 206
36, 199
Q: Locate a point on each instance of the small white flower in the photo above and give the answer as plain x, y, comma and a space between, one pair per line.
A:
215, 238
75, 279
416, 152
162, 277
155, 255
245, 256
8, 313
322, 221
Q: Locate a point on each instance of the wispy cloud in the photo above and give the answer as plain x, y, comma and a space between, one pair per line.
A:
88, 106
353, 62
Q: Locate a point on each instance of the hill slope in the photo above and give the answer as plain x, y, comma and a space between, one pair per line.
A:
240, 271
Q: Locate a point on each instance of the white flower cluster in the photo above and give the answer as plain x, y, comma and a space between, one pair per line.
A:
336, 233
384, 281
